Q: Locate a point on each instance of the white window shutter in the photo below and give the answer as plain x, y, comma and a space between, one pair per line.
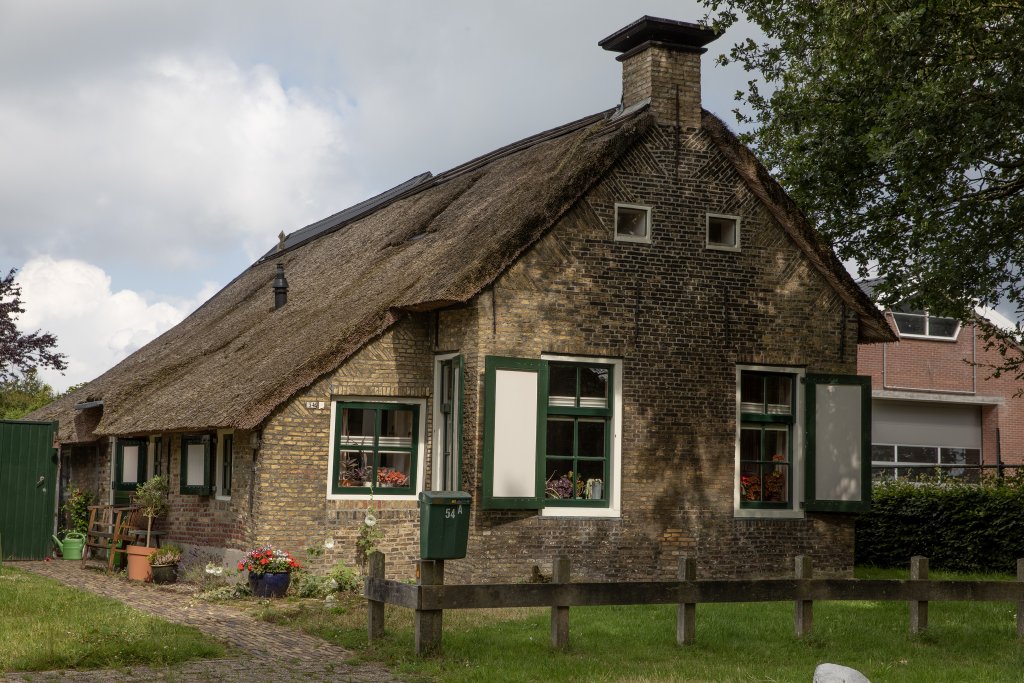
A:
838, 443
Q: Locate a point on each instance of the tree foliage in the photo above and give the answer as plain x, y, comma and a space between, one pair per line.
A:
19, 396
897, 126
21, 353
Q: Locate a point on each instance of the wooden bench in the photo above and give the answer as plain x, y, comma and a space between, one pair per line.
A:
109, 530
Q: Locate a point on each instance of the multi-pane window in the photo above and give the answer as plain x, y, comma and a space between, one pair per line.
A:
375, 447
918, 323
892, 461
578, 433
766, 439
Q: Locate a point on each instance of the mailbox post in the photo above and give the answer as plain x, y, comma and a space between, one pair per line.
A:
444, 524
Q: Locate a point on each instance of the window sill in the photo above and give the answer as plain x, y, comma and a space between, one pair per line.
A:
766, 513
572, 511
376, 496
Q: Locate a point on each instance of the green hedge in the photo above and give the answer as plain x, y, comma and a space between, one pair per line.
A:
957, 526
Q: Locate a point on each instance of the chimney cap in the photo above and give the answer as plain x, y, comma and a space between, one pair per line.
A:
680, 35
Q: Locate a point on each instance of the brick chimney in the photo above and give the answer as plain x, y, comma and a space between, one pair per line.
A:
661, 61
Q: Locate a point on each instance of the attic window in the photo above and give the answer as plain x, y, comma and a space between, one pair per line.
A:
723, 232
632, 223
913, 322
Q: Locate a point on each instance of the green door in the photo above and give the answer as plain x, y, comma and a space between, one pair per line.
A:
28, 487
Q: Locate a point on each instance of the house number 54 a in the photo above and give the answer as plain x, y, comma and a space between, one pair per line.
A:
449, 513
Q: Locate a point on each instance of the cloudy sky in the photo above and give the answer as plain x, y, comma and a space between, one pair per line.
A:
150, 152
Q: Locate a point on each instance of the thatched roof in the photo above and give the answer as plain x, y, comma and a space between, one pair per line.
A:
431, 243
235, 359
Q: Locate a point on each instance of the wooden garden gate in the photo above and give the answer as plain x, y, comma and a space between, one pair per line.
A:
28, 487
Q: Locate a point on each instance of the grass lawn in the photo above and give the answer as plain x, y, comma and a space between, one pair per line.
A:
45, 626
742, 642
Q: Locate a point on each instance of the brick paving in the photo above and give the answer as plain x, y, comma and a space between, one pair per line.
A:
260, 647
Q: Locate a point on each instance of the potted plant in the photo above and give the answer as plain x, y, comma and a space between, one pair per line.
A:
164, 564
151, 500
595, 489
269, 571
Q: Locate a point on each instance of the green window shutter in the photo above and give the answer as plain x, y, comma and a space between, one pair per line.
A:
514, 432
838, 443
196, 466
130, 463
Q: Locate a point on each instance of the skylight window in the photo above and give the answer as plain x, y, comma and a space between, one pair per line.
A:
917, 323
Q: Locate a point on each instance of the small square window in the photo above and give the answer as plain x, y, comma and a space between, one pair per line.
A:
632, 223
723, 232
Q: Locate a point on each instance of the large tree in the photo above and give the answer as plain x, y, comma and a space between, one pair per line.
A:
20, 353
898, 127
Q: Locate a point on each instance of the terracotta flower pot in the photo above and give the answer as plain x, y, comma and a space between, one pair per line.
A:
138, 563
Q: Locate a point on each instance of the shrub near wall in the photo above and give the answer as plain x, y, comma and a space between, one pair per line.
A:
957, 526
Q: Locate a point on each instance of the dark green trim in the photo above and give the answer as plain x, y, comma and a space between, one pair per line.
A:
811, 503
491, 365
227, 457
119, 483
457, 367
206, 488
761, 421
375, 448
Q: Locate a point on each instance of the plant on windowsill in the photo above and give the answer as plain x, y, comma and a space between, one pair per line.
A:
389, 478
595, 489
151, 499
563, 487
354, 474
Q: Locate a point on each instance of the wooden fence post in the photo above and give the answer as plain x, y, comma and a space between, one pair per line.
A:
918, 608
560, 613
1020, 603
428, 622
686, 613
803, 610
375, 611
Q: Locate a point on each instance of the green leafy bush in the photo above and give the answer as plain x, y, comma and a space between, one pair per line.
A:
77, 510
957, 526
348, 578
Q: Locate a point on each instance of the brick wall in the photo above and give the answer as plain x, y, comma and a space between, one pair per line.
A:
679, 316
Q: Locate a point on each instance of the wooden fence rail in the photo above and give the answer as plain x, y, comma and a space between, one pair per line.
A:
430, 597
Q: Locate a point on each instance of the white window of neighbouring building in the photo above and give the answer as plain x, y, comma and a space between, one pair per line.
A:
916, 440
632, 223
376, 447
917, 323
551, 435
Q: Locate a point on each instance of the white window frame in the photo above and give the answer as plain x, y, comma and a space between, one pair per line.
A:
797, 468
436, 464
421, 403
646, 239
218, 463
613, 489
927, 326
707, 232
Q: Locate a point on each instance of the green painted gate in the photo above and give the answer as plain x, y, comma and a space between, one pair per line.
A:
28, 487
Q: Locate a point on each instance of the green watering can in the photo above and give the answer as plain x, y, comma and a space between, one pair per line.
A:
72, 546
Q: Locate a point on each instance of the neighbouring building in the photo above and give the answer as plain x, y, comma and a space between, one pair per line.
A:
935, 405
620, 336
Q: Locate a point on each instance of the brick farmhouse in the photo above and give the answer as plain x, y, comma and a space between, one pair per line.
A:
619, 336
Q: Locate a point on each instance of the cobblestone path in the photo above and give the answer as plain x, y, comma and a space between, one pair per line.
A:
283, 654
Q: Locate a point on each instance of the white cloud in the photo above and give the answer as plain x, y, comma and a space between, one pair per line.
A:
95, 326
172, 160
